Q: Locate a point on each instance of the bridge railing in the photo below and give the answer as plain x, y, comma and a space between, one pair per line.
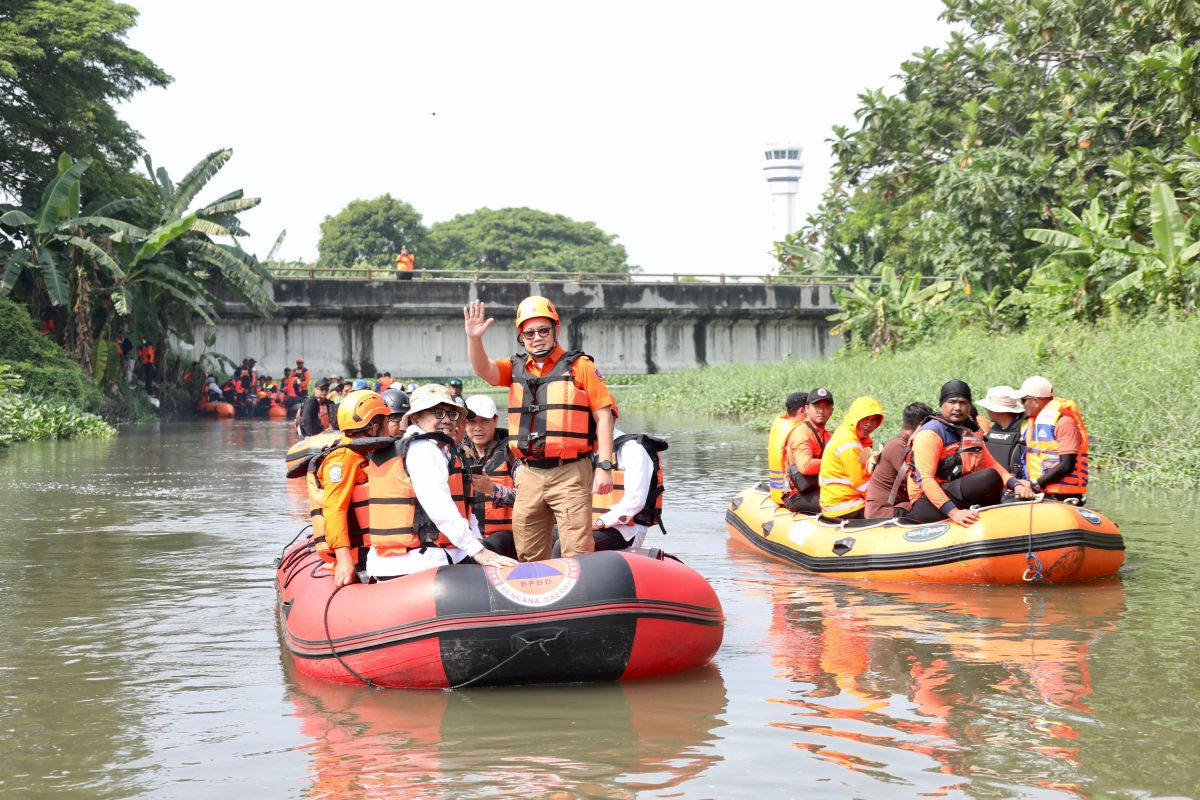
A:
365, 273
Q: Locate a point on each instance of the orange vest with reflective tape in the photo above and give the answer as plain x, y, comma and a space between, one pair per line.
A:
549, 416
1041, 448
782, 429
651, 513
497, 465
146, 353
357, 520
398, 523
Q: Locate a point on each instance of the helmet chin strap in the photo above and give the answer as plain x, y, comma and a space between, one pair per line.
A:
540, 354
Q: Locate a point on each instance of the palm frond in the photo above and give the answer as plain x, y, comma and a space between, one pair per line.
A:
57, 192
195, 180
97, 252
238, 275
56, 282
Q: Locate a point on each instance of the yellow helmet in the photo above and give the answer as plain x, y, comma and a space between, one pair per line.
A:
358, 408
533, 307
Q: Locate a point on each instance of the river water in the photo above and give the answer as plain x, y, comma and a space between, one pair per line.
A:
141, 657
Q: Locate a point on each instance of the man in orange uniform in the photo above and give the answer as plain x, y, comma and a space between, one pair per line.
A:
807, 446
362, 413
302, 374
146, 356
404, 264
1056, 442
951, 469
559, 413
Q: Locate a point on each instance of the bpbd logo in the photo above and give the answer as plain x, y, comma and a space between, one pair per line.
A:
925, 533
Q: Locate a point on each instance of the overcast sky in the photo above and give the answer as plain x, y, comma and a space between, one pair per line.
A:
647, 118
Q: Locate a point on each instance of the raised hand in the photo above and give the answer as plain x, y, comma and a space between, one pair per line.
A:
474, 321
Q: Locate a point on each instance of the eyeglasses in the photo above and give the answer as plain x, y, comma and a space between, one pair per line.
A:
443, 413
530, 335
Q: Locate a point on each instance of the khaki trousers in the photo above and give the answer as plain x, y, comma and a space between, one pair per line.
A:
561, 494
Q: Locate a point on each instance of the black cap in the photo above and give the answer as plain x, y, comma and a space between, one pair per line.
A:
795, 401
817, 395
954, 388
323, 383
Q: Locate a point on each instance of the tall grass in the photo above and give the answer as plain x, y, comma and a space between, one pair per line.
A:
1138, 384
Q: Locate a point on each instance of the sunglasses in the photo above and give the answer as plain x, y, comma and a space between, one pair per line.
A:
443, 413
530, 335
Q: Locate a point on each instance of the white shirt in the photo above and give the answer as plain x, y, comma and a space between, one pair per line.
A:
639, 470
429, 470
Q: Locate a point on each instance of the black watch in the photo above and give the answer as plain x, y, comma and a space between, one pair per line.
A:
605, 464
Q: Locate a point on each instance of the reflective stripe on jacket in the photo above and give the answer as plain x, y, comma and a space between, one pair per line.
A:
782, 428
1041, 448
399, 524
549, 416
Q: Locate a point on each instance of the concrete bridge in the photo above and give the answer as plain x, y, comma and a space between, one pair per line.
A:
414, 329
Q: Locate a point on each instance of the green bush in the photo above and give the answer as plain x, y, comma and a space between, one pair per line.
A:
1137, 383
26, 417
47, 370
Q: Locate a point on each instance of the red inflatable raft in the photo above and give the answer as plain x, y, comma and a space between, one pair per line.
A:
599, 617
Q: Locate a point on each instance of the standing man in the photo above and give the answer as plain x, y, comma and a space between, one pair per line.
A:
560, 413
149, 365
404, 264
1056, 442
303, 375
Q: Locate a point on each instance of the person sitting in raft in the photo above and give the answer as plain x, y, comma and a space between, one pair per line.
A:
493, 467
341, 469
622, 517
212, 392
845, 466
1056, 442
887, 493
1005, 434
314, 412
397, 403
781, 442
950, 470
419, 501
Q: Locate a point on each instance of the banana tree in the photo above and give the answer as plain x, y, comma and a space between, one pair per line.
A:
882, 313
1168, 272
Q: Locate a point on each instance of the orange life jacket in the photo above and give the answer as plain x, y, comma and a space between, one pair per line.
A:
399, 522
498, 466
549, 416
289, 386
146, 353
651, 513
357, 520
1041, 448
303, 375
962, 454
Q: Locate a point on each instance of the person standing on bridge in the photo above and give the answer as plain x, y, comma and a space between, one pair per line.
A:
404, 264
560, 413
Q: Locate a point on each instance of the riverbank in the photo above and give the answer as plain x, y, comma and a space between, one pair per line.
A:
43, 393
1137, 383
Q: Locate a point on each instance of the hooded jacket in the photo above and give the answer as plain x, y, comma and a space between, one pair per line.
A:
844, 478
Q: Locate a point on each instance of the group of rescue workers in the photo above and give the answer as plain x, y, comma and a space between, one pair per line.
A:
415, 480
944, 463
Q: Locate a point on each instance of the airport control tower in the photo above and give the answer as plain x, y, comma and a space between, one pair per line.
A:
783, 170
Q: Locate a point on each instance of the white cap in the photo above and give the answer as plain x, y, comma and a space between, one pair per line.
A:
482, 406
1036, 386
1001, 399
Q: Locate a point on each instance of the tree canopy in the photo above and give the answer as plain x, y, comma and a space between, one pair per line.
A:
371, 232
525, 239
63, 63
1033, 114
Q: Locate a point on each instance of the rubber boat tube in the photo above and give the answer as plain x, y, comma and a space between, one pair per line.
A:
1035, 541
604, 616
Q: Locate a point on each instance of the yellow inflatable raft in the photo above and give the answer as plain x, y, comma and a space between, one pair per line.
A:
1036, 541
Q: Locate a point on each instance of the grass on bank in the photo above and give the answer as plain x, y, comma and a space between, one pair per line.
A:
1138, 384
43, 393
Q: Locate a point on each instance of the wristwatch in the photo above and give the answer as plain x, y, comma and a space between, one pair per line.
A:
605, 465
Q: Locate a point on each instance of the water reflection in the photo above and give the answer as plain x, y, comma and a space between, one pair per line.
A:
972, 684
532, 741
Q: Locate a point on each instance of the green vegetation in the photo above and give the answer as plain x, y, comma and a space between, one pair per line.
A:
41, 388
1137, 384
369, 233
525, 239
1045, 162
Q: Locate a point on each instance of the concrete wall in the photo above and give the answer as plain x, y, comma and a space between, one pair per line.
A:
414, 328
